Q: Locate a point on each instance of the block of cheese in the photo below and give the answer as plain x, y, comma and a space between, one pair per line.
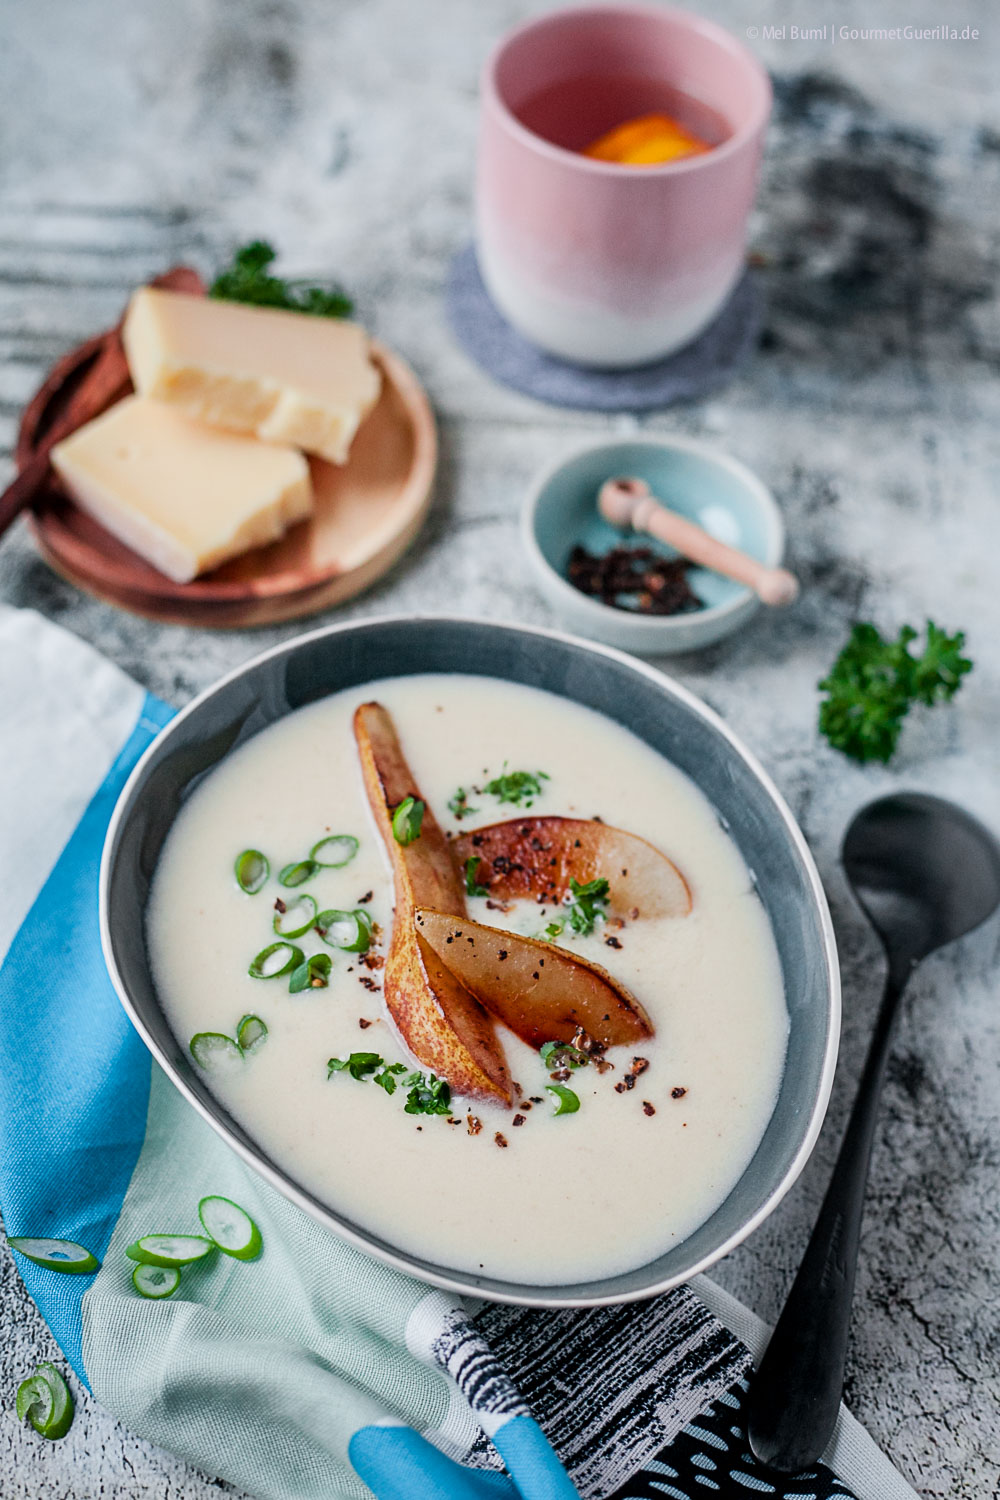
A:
285, 376
182, 495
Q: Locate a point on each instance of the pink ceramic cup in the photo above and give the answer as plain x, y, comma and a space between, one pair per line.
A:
602, 264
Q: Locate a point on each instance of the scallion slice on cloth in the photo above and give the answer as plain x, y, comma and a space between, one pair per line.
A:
156, 1281
250, 1033
299, 873
45, 1400
297, 918
252, 870
170, 1249
335, 851
56, 1255
212, 1051
274, 960
231, 1227
566, 1102
348, 930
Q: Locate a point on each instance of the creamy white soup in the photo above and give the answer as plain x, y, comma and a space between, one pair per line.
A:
531, 1196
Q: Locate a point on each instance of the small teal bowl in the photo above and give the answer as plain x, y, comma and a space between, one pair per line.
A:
715, 491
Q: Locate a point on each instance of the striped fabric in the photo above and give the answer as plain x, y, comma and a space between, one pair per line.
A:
615, 1383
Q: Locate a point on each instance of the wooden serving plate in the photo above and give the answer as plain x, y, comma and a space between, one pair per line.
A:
367, 513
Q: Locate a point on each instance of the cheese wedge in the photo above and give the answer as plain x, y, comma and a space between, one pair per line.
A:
184, 496
285, 376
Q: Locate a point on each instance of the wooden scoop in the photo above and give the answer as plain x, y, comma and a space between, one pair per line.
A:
628, 502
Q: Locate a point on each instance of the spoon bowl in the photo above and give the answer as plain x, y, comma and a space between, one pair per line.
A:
924, 871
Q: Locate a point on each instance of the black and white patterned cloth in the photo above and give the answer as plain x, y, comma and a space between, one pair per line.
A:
711, 1457
641, 1401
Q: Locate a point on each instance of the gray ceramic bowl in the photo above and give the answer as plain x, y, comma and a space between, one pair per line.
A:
652, 706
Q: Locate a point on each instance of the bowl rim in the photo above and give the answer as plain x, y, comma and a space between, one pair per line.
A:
462, 1283
744, 134
652, 626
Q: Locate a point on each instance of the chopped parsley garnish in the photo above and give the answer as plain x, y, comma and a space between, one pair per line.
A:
873, 683
249, 279
562, 1055
359, 1065
427, 1095
518, 787
566, 1102
459, 807
386, 1079
406, 821
586, 904
472, 887
551, 932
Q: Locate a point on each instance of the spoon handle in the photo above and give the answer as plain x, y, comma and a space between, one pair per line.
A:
772, 585
795, 1396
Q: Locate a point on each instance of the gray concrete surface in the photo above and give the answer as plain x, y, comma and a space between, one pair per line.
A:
135, 134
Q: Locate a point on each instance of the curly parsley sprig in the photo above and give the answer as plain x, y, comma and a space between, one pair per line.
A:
249, 279
874, 682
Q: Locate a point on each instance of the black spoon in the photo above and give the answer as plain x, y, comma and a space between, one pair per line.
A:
925, 873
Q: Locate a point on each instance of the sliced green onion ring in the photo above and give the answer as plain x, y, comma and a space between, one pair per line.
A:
562, 1055
251, 1033
156, 1281
302, 906
335, 851
269, 965
299, 873
56, 1255
36, 1402
252, 870
406, 820
211, 1051
231, 1227
45, 1400
348, 930
313, 974
169, 1249
566, 1102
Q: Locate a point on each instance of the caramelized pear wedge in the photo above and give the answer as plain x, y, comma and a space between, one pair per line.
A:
535, 858
443, 1025
543, 993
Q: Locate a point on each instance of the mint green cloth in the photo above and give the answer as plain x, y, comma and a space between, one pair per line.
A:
273, 1364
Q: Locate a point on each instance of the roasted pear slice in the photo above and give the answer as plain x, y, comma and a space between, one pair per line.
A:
540, 991
439, 1020
535, 858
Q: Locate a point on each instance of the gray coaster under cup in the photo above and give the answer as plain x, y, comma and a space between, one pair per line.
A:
708, 362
